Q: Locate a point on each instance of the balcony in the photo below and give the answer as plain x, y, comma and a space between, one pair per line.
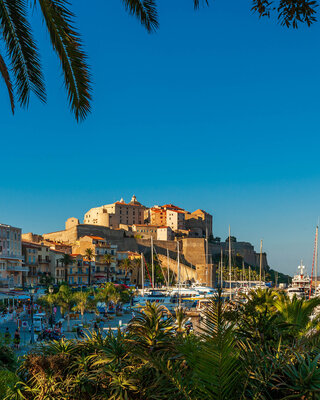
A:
10, 257
17, 268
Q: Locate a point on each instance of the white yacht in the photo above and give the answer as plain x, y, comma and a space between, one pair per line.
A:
300, 283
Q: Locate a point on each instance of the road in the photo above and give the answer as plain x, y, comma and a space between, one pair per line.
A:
25, 334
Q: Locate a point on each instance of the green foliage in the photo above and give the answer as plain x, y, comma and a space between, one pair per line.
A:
7, 381
265, 346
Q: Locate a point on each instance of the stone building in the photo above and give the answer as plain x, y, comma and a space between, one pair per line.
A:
199, 220
115, 214
145, 231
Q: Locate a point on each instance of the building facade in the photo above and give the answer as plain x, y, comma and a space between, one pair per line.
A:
165, 233
100, 249
144, 231
11, 268
199, 220
116, 214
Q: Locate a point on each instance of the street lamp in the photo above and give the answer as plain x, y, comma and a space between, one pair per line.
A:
32, 291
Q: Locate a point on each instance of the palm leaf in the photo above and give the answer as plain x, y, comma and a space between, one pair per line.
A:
66, 42
217, 364
6, 77
145, 11
196, 3
21, 49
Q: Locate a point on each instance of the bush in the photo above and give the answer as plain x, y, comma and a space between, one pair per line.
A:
7, 381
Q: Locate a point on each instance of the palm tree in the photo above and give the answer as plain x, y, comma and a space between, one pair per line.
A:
65, 299
106, 294
66, 261
89, 254
136, 266
82, 301
108, 259
23, 54
126, 266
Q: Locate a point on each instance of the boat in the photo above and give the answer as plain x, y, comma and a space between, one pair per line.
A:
300, 285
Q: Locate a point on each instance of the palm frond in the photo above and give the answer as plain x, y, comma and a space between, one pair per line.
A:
22, 50
66, 42
218, 366
6, 77
145, 11
196, 3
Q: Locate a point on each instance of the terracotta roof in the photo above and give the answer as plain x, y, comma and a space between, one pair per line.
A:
147, 226
31, 244
96, 237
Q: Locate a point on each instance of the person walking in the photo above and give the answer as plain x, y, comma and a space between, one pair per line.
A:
7, 337
16, 339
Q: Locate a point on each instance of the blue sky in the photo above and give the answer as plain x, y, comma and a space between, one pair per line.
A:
218, 110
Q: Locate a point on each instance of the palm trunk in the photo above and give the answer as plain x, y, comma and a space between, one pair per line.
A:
66, 273
68, 321
89, 274
108, 266
125, 278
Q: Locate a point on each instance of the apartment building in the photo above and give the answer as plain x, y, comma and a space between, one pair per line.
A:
168, 215
176, 219
116, 214
101, 271
11, 269
78, 270
30, 254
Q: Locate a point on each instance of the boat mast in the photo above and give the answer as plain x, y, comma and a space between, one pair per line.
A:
206, 250
152, 270
230, 288
168, 268
142, 274
316, 262
221, 271
179, 280
243, 273
260, 263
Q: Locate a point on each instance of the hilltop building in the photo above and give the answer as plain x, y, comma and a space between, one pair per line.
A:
116, 214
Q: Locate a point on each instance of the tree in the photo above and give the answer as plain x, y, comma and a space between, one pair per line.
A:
108, 259
82, 302
66, 261
89, 254
65, 299
106, 294
136, 266
126, 266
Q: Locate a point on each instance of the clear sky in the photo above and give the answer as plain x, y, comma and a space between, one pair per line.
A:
218, 110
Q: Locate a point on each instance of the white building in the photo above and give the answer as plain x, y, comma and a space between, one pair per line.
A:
164, 233
176, 219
